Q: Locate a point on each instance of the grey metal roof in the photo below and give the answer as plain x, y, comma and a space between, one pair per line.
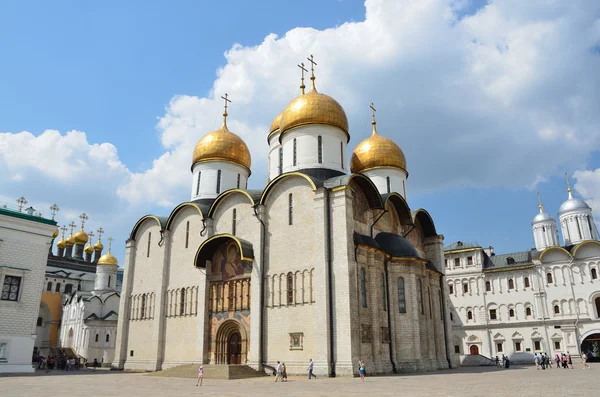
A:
459, 245
514, 259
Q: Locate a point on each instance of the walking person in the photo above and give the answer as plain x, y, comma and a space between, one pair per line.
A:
279, 374
570, 361
310, 369
557, 359
497, 362
200, 375
536, 360
584, 359
361, 370
565, 360
95, 364
283, 373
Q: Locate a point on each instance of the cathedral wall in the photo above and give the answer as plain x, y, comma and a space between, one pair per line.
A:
246, 224
182, 272
291, 249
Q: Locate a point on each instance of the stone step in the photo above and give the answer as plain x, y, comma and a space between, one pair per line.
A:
210, 372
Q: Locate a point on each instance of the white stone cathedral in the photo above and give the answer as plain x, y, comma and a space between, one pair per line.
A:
326, 262
522, 303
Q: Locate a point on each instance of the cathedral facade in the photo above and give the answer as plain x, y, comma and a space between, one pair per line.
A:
327, 262
521, 303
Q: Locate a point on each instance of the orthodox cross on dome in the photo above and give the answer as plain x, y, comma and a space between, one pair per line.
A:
84, 219
53, 210
110, 240
91, 235
72, 225
64, 230
302, 87
225, 114
100, 233
569, 186
540, 205
312, 70
373, 122
22, 202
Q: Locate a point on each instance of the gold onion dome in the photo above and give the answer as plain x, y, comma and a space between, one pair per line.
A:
55, 235
88, 249
108, 259
80, 237
377, 152
313, 108
275, 125
98, 246
70, 240
61, 244
222, 145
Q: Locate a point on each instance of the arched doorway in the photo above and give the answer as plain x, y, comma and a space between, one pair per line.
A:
597, 301
234, 348
474, 349
591, 346
231, 345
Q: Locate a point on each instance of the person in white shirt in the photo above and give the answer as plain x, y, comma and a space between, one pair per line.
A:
279, 374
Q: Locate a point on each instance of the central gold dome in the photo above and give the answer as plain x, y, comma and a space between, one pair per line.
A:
80, 237
377, 152
313, 108
108, 259
222, 145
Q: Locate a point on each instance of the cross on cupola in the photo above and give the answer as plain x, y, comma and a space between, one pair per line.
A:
225, 114
53, 210
302, 87
312, 70
540, 205
72, 225
22, 203
373, 122
64, 230
110, 240
83, 217
100, 232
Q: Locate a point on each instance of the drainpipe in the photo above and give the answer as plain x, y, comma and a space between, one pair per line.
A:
389, 309
330, 273
262, 295
443, 303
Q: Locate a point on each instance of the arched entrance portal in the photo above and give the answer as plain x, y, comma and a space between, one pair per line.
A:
474, 349
591, 346
231, 343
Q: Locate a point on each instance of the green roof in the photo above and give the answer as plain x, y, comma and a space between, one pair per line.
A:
459, 245
515, 259
23, 215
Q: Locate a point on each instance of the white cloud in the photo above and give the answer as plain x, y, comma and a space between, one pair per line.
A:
500, 97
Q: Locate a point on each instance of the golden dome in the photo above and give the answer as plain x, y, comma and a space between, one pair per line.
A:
377, 152
80, 237
313, 108
88, 249
222, 145
55, 235
275, 125
98, 246
61, 244
108, 259
70, 240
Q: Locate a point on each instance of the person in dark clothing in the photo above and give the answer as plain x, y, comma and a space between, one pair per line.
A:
95, 364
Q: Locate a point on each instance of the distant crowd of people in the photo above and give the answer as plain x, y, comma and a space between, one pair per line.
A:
64, 363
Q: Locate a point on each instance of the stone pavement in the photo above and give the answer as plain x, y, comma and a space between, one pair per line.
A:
464, 382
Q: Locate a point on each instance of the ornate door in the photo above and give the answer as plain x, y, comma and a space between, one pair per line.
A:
234, 348
474, 349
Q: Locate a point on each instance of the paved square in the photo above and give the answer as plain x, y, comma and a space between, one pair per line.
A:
517, 381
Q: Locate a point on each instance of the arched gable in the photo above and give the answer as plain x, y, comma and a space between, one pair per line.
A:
271, 185
207, 248
426, 222
227, 193
401, 208
173, 214
554, 254
160, 220
586, 246
369, 189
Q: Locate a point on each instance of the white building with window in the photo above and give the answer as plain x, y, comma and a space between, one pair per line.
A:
89, 318
327, 261
25, 238
519, 304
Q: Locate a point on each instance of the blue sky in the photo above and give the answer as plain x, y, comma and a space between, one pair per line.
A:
491, 102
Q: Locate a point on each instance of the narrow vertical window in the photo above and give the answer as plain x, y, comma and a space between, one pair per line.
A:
401, 296
280, 161
198, 184
187, 234
218, 181
109, 280
295, 152
57, 287
578, 227
143, 306
320, 148
469, 315
404, 188
97, 336
182, 303
290, 288
420, 295
233, 222
488, 286
526, 281
49, 287
594, 273
238, 181
389, 185
363, 288
383, 293
149, 240
590, 226
342, 154
231, 300
511, 283
107, 337
430, 304
549, 278
291, 210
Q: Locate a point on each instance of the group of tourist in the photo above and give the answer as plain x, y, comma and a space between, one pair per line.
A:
63, 363
505, 362
281, 372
